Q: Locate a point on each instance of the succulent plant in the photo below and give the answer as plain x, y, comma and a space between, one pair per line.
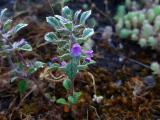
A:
142, 25
155, 67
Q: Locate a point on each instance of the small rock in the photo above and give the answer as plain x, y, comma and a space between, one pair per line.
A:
150, 81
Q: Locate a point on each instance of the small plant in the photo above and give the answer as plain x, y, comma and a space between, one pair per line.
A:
69, 36
155, 67
8, 49
142, 26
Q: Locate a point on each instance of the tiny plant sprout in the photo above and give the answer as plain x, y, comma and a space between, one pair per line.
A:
128, 3
150, 15
141, 17
72, 57
155, 67
142, 42
152, 41
124, 33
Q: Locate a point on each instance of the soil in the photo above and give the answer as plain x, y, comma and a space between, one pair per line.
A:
121, 73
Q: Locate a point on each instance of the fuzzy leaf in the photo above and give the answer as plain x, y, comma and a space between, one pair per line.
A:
3, 12
26, 47
62, 19
85, 16
67, 12
50, 37
7, 25
54, 66
19, 27
88, 32
52, 21
31, 70
39, 64
76, 15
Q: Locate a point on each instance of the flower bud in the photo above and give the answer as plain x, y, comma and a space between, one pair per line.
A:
76, 50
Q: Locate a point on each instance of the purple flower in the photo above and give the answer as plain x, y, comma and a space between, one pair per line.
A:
88, 59
89, 53
19, 44
76, 50
54, 59
63, 63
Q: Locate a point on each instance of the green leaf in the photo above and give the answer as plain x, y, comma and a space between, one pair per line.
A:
82, 67
67, 12
61, 43
52, 21
35, 67
77, 95
72, 99
124, 33
62, 19
152, 41
65, 1
120, 12
39, 64
69, 26
26, 47
157, 10
22, 86
88, 32
92, 22
85, 16
31, 70
67, 84
54, 66
50, 37
13, 79
61, 101
3, 12
76, 15
64, 57
7, 25
19, 27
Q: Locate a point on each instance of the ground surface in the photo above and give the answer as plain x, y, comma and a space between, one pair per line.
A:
130, 91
